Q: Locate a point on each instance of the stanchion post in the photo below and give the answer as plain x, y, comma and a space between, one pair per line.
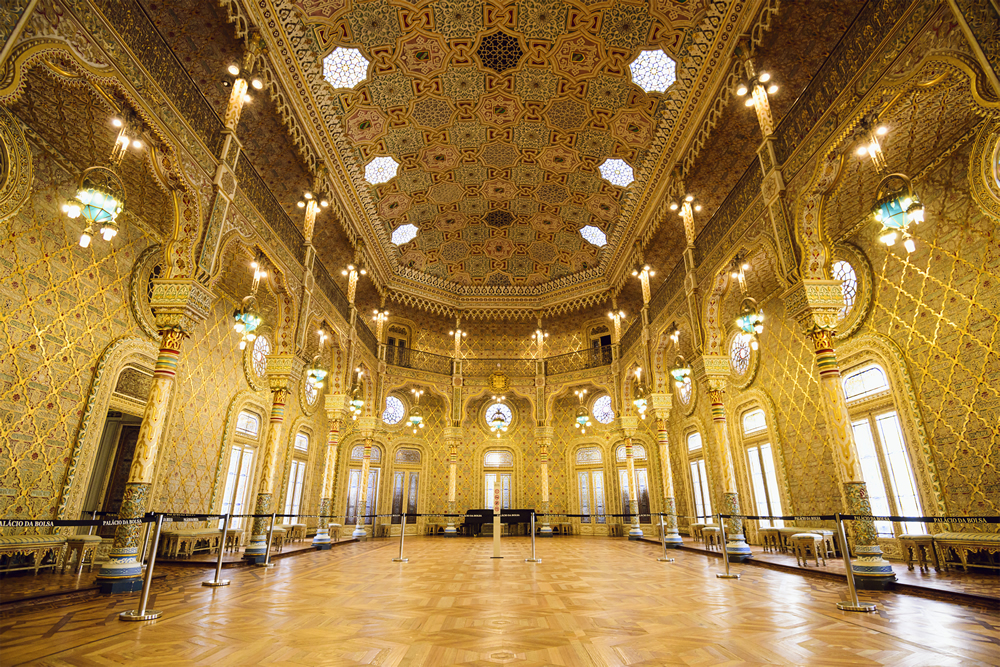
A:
267, 554
402, 532
143, 614
845, 551
218, 581
663, 538
532, 559
145, 543
725, 556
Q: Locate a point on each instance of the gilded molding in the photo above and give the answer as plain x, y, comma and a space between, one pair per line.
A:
984, 170
814, 304
15, 165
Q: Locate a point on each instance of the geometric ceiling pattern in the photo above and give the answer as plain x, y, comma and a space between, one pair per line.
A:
500, 117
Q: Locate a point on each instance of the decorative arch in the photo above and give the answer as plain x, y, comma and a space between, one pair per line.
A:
241, 401
16, 155
745, 401
116, 356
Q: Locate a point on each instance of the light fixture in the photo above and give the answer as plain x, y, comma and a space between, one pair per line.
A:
582, 414
497, 421
675, 333
460, 332
640, 395
755, 85
316, 374
351, 268
681, 372
357, 394
620, 314
416, 414
750, 321
100, 194
247, 318
896, 207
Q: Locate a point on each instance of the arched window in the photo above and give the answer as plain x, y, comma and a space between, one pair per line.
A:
499, 413
739, 354
362, 495
590, 481
239, 472
844, 272
602, 409
297, 474
641, 481
498, 477
760, 465
699, 478
261, 348
394, 410
310, 390
685, 390
881, 445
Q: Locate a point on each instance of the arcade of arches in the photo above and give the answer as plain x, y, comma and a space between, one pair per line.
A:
615, 262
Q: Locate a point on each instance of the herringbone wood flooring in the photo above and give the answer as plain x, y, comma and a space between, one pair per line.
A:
593, 601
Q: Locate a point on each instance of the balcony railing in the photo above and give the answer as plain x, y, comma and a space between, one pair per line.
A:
579, 360
418, 360
510, 367
631, 336
367, 338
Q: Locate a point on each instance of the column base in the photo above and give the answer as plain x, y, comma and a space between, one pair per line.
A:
450, 530
257, 546
737, 550
545, 531
323, 546
259, 559
321, 538
360, 534
874, 574
114, 586
673, 541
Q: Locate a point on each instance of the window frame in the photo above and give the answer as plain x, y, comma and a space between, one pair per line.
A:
700, 488
757, 440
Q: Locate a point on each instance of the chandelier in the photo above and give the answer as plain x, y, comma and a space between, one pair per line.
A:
681, 372
416, 414
640, 395
316, 373
895, 208
750, 321
246, 318
582, 414
497, 421
357, 395
100, 193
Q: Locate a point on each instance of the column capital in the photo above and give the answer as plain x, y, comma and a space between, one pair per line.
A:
544, 435
180, 304
279, 370
662, 404
366, 426
627, 425
814, 304
713, 369
452, 434
336, 407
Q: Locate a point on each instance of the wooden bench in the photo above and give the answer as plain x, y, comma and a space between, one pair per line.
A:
36, 546
964, 543
294, 532
183, 543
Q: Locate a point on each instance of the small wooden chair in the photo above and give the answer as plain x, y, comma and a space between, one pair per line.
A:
713, 537
805, 545
916, 547
696, 531
769, 539
334, 529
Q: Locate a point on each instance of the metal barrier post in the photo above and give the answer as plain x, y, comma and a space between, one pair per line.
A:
663, 537
267, 554
845, 551
218, 581
532, 559
402, 532
143, 614
725, 556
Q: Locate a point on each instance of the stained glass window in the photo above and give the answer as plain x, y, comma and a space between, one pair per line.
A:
594, 236
248, 424
844, 272
617, 172
301, 442
404, 234
393, 413
503, 410
407, 455
261, 348
739, 354
653, 71
588, 456
381, 170
694, 441
498, 459
754, 421
602, 410
865, 382
358, 453
312, 393
345, 68
638, 452
684, 391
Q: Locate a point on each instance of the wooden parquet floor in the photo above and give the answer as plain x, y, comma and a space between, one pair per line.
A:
592, 601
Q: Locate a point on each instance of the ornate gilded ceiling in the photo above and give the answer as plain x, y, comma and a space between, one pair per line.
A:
501, 119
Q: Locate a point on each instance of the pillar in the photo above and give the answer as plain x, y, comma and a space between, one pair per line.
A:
662, 404
177, 306
635, 532
335, 415
453, 437
543, 437
360, 530
279, 369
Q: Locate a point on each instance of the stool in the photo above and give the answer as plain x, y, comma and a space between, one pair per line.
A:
696, 533
769, 539
805, 545
80, 545
713, 537
278, 539
334, 529
916, 547
234, 539
297, 533
828, 544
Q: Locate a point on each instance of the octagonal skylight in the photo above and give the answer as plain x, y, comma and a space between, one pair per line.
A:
654, 71
345, 68
381, 170
594, 235
405, 234
617, 172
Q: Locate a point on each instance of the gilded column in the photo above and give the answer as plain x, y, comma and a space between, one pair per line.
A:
452, 436
662, 405
279, 369
335, 415
629, 424
178, 306
366, 425
815, 305
543, 436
